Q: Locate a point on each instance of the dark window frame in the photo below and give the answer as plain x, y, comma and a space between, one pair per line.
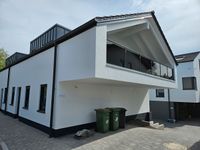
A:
18, 98
160, 93
27, 97
12, 96
194, 83
2, 92
5, 95
43, 98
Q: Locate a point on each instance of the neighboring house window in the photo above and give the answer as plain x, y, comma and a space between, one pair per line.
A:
43, 97
13, 96
189, 83
160, 93
27, 95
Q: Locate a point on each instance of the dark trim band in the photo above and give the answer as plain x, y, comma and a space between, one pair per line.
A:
73, 129
10, 114
35, 124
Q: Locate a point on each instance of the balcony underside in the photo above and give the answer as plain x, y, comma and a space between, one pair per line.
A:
110, 82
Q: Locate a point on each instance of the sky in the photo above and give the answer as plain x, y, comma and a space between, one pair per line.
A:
23, 20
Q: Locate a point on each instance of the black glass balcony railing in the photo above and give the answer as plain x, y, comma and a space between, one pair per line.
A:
120, 56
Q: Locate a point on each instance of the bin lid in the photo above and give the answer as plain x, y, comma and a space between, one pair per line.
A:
114, 109
102, 110
121, 108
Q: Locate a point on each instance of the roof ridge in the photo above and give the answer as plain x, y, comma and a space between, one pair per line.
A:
187, 53
99, 18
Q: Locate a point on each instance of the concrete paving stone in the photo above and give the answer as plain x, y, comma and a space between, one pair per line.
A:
19, 136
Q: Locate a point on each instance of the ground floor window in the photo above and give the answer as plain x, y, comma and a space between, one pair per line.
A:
160, 93
13, 96
27, 95
189, 83
1, 95
5, 95
43, 96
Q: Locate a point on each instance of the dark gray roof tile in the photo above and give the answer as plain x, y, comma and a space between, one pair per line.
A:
186, 57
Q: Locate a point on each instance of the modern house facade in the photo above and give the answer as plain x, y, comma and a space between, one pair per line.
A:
184, 102
107, 62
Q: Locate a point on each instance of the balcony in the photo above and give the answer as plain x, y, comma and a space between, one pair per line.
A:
121, 56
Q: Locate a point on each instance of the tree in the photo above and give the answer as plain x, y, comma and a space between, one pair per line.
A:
3, 56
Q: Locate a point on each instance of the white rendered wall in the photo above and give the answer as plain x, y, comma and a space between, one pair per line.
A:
3, 84
32, 72
76, 102
76, 57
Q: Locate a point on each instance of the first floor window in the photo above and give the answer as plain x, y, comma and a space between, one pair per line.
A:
27, 95
160, 93
13, 96
43, 97
189, 83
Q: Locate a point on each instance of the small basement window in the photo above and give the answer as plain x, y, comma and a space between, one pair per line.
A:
27, 95
160, 93
43, 97
189, 83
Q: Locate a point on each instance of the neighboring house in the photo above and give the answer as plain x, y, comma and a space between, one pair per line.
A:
107, 62
184, 102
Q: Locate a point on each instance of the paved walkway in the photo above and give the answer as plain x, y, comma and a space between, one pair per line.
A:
18, 136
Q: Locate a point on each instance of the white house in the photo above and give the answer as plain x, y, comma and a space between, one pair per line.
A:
184, 102
107, 62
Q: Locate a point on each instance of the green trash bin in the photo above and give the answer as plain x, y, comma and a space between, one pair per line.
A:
102, 120
122, 117
114, 118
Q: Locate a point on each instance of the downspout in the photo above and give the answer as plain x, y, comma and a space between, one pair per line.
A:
170, 107
53, 91
169, 104
7, 91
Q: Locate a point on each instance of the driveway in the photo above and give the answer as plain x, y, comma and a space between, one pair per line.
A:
18, 136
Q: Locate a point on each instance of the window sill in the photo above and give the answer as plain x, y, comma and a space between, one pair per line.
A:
41, 111
160, 97
26, 108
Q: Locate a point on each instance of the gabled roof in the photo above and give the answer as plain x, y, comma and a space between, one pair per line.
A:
135, 15
93, 23
186, 57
